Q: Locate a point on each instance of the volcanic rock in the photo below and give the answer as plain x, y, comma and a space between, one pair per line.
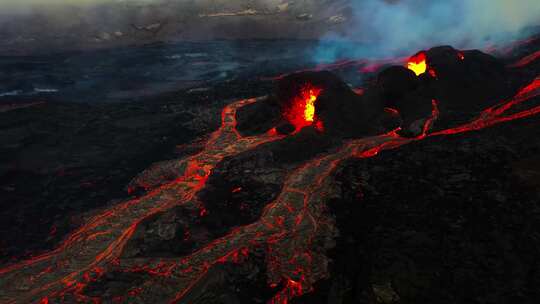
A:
259, 117
399, 88
470, 83
175, 232
395, 82
285, 128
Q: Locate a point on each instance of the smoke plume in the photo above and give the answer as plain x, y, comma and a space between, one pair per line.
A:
396, 27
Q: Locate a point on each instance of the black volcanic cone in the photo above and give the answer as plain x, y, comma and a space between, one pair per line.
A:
258, 117
347, 114
399, 88
343, 113
468, 80
462, 82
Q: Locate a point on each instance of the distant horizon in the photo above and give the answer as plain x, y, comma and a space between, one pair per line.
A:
31, 6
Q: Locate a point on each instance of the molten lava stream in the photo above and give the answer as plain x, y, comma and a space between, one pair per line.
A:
526, 60
103, 237
298, 211
289, 225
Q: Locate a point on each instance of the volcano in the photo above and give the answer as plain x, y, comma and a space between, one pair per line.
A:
283, 203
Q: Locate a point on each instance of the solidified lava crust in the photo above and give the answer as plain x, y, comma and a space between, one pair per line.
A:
261, 199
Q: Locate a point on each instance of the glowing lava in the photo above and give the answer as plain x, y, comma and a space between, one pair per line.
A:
302, 110
526, 60
309, 111
417, 63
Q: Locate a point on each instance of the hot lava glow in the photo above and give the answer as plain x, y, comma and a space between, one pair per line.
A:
417, 63
302, 110
309, 111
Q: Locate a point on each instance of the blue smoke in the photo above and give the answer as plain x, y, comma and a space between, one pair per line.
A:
384, 28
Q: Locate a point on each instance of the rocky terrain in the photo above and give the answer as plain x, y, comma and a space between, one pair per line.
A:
131, 74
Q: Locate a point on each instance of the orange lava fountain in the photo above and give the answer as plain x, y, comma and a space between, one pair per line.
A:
417, 63
302, 110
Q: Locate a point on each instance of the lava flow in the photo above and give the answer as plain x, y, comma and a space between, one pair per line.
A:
294, 231
100, 241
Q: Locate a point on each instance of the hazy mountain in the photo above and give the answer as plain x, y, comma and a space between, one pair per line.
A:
58, 25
